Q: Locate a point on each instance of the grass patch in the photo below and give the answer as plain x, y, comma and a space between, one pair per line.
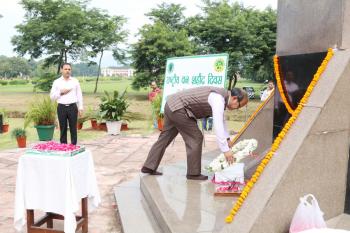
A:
18, 97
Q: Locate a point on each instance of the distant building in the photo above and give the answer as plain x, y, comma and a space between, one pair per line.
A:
124, 71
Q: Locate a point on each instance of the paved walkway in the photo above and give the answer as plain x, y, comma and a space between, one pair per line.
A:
117, 159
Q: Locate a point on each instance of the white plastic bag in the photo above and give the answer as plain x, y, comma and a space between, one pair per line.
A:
307, 215
325, 230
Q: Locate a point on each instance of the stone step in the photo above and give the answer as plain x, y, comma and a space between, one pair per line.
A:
342, 221
184, 206
135, 215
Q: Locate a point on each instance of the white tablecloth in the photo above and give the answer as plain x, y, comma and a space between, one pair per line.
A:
55, 184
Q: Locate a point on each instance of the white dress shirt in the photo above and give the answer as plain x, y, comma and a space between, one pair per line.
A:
266, 94
74, 96
217, 103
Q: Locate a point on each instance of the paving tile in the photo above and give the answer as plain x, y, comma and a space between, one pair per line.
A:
117, 159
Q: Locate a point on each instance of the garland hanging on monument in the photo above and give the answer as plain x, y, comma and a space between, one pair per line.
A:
280, 85
275, 145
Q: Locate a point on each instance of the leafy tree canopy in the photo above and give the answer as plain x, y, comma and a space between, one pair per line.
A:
246, 34
11, 67
54, 28
158, 41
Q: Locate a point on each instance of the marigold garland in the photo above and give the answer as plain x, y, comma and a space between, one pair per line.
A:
280, 86
279, 138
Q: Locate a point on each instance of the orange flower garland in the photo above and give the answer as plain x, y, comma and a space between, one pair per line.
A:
279, 138
279, 85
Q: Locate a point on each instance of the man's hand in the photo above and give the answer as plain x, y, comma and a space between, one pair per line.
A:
80, 112
65, 91
229, 157
229, 142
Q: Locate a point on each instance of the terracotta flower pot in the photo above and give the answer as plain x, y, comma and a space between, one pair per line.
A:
94, 124
5, 128
79, 126
160, 124
21, 142
102, 126
124, 127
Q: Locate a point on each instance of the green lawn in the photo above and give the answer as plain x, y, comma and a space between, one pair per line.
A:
17, 98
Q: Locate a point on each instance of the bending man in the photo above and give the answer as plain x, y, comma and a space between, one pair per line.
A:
181, 112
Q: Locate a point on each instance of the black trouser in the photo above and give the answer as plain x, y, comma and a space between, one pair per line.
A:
68, 112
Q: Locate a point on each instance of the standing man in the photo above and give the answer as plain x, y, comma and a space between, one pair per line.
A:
267, 92
151, 96
66, 90
180, 113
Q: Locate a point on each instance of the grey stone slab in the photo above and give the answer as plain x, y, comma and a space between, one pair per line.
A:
182, 205
335, 114
261, 127
341, 221
329, 81
133, 212
319, 167
306, 27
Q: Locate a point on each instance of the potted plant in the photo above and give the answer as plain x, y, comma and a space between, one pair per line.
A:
20, 135
42, 112
130, 116
112, 108
93, 115
81, 121
156, 106
5, 123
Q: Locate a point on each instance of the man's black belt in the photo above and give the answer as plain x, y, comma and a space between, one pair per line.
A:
67, 105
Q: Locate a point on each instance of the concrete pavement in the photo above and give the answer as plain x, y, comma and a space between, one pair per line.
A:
117, 159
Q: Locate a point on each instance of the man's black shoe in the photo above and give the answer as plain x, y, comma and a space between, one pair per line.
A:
196, 177
150, 171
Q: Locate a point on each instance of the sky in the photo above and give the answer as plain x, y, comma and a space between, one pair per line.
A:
133, 10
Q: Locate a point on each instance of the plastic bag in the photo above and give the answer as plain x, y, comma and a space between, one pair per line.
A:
307, 215
325, 230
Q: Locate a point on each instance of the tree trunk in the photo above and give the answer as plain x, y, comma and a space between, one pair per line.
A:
230, 84
98, 72
65, 56
60, 61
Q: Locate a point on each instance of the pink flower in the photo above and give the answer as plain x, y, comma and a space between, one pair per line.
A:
54, 146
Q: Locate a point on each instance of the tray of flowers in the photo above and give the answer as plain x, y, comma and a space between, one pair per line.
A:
229, 178
52, 148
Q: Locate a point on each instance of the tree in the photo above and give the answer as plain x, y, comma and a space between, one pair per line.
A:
105, 33
84, 69
246, 34
169, 14
11, 67
53, 28
263, 28
158, 41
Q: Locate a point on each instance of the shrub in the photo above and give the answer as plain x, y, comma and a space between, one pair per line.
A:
18, 82
113, 107
18, 132
42, 111
3, 82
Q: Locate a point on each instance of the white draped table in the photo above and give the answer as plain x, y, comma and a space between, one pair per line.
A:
55, 184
